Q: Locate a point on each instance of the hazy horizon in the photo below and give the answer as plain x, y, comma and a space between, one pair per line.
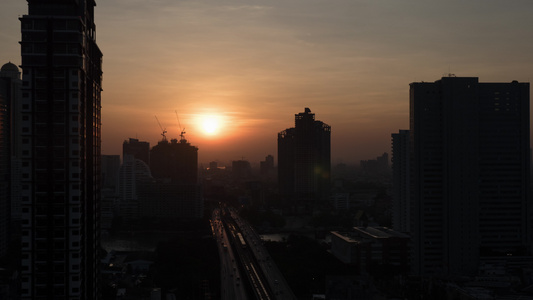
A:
252, 65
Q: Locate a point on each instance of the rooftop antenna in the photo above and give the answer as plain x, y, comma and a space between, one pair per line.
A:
163, 131
182, 130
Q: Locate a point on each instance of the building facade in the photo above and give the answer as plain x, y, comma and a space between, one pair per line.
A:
138, 149
132, 173
60, 146
469, 147
401, 220
177, 161
304, 162
367, 247
10, 83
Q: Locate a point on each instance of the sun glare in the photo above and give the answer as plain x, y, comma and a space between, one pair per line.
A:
210, 125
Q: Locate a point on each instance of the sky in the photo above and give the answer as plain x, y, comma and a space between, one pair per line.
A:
237, 71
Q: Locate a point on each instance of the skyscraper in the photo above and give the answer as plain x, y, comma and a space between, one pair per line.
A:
401, 220
177, 161
10, 84
470, 173
138, 149
60, 147
304, 162
175, 192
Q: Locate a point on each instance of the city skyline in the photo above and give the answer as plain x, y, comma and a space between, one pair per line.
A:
253, 63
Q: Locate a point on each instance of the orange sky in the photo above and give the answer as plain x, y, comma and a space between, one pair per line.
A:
256, 63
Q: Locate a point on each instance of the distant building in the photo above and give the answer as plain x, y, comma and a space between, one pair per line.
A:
266, 167
241, 169
137, 149
143, 196
470, 163
304, 162
177, 161
376, 167
173, 191
61, 151
132, 173
365, 246
401, 220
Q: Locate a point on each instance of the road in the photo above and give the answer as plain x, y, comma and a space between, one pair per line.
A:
231, 283
275, 280
242, 252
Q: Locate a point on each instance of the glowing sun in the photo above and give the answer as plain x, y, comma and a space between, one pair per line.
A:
210, 125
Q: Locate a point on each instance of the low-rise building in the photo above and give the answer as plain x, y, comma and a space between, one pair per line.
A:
366, 246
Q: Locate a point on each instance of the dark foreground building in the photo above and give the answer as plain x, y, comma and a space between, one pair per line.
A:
469, 144
304, 162
10, 84
62, 76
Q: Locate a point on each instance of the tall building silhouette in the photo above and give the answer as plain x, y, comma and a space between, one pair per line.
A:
138, 149
266, 167
10, 84
174, 192
470, 173
177, 161
304, 162
132, 173
401, 215
61, 126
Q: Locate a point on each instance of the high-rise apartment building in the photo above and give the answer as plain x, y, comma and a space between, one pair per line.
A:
304, 162
401, 220
132, 173
469, 143
138, 149
10, 84
60, 146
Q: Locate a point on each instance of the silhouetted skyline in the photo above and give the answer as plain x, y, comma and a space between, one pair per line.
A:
253, 63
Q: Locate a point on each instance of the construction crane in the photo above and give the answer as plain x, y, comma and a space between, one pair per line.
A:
163, 131
182, 130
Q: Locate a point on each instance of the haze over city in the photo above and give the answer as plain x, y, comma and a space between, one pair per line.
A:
251, 65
